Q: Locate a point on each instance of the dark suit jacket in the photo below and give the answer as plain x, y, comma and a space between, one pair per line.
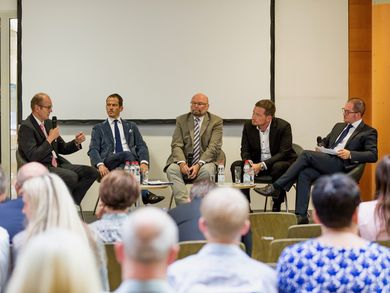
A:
186, 217
34, 147
11, 217
362, 144
280, 142
102, 142
210, 139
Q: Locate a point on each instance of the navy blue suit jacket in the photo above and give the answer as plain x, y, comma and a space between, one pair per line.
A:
102, 142
11, 217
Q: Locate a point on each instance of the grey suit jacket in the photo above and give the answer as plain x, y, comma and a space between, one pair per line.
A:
183, 139
102, 142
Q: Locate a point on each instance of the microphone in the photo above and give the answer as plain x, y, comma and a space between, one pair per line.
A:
189, 160
54, 121
320, 141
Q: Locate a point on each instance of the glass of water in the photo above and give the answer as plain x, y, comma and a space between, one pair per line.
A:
237, 174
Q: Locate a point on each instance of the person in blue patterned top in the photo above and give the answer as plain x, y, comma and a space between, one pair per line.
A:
118, 192
339, 260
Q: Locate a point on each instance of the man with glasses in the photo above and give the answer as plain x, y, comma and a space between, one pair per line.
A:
39, 142
348, 144
196, 147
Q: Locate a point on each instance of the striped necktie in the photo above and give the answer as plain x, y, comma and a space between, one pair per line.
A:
196, 150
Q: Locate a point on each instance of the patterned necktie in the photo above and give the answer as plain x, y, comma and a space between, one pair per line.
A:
196, 150
118, 141
53, 159
342, 136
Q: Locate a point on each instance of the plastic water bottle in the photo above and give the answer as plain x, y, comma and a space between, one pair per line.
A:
251, 175
127, 168
221, 174
137, 172
132, 168
247, 173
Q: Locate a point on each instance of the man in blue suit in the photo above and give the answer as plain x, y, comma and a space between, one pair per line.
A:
115, 141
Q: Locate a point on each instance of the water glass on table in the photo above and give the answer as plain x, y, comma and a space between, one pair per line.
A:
237, 174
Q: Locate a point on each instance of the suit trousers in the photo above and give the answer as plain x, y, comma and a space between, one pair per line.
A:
119, 160
309, 166
179, 188
78, 178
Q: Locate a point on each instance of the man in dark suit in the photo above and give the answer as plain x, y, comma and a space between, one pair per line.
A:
115, 141
267, 144
11, 215
353, 142
196, 147
39, 142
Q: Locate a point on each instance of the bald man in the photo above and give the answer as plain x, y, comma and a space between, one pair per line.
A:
190, 161
11, 216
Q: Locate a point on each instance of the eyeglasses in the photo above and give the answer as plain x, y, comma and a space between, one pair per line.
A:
198, 104
347, 112
47, 107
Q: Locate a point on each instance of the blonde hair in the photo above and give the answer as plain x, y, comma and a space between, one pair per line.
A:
51, 206
225, 211
55, 261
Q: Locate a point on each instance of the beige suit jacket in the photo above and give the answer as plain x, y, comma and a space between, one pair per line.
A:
210, 135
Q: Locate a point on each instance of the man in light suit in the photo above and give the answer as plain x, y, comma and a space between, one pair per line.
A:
115, 141
189, 159
39, 142
353, 141
267, 143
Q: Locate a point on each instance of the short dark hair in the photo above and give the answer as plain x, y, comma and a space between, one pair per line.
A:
358, 105
200, 188
120, 100
37, 99
335, 199
119, 190
268, 106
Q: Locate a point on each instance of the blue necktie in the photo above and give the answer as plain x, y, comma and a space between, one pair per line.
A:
118, 142
342, 136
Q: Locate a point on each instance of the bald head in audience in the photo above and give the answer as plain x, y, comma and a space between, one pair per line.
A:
27, 171
225, 216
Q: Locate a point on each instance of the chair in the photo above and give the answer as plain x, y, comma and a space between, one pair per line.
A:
192, 247
114, 269
304, 231
267, 227
277, 246
266, 179
357, 172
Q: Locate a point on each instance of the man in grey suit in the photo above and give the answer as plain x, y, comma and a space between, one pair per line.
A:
353, 142
115, 141
196, 147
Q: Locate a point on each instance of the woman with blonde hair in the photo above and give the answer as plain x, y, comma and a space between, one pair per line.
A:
53, 262
374, 216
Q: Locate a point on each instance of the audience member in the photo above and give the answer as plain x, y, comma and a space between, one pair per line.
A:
221, 266
11, 216
267, 144
353, 142
118, 191
196, 147
148, 246
55, 261
4, 257
339, 260
115, 141
374, 216
39, 140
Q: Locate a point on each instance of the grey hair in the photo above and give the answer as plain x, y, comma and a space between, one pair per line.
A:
200, 188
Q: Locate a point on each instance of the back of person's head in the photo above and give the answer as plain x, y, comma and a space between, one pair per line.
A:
119, 190
225, 212
149, 235
3, 184
53, 262
27, 171
382, 184
335, 199
48, 204
200, 188
268, 106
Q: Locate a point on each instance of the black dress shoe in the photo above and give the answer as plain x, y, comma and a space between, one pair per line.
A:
268, 190
152, 198
302, 220
276, 207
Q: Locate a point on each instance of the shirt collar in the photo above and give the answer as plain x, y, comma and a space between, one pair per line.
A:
38, 121
111, 120
356, 123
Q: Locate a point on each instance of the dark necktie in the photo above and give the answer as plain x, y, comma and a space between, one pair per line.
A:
196, 150
342, 135
118, 142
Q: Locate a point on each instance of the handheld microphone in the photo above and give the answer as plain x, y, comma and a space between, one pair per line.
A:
189, 160
320, 141
54, 121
